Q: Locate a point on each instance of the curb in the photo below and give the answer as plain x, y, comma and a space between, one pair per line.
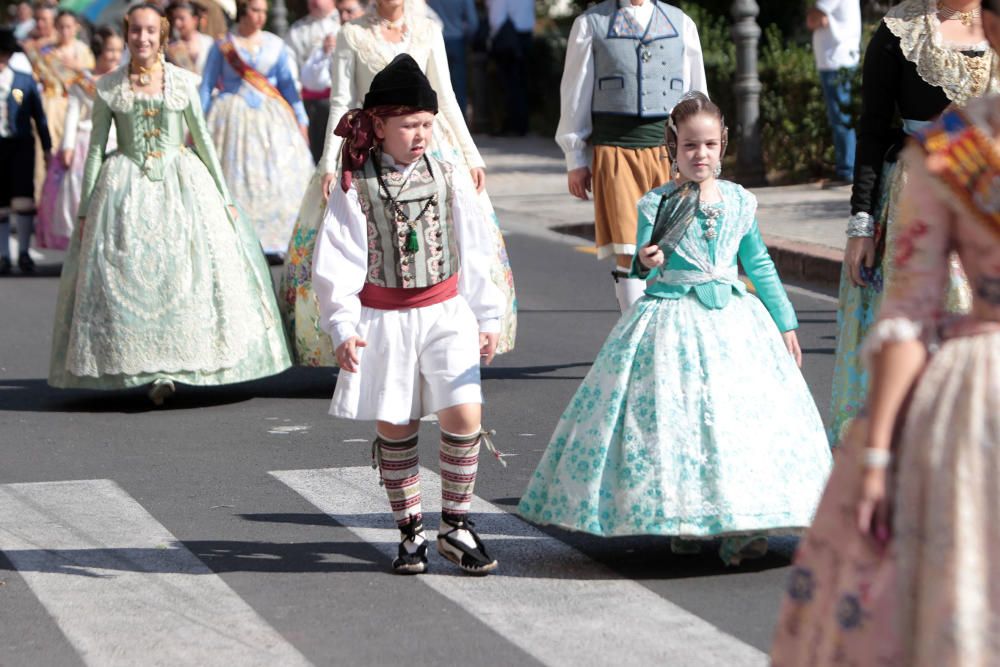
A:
797, 260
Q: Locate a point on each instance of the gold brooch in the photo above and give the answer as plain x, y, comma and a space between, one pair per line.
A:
17, 94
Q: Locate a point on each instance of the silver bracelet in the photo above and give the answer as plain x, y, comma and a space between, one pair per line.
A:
877, 458
861, 225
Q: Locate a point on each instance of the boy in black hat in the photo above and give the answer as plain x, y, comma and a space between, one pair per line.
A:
401, 272
20, 103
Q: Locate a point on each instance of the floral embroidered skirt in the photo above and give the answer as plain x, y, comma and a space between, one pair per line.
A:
266, 163
933, 598
162, 283
297, 300
859, 308
692, 422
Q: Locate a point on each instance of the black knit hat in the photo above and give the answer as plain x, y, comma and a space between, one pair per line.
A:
8, 43
402, 84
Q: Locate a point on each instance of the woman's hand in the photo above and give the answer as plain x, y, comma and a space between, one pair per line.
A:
67, 157
488, 346
347, 354
860, 251
328, 180
792, 345
651, 256
479, 178
873, 506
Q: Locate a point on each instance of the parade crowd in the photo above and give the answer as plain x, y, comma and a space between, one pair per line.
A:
174, 160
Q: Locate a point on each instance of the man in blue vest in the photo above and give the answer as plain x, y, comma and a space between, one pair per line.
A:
20, 103
628, 62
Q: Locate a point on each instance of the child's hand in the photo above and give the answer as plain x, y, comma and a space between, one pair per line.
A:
488, 346
651, 256
347, 354
792, 343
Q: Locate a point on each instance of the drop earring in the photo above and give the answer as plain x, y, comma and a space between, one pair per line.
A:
718, 169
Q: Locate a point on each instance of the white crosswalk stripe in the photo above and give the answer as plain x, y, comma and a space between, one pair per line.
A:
552, 601
120, 586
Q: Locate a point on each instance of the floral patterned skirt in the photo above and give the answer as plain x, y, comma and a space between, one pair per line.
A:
932, 598
266, 163
859, 307
841, 591
692, 422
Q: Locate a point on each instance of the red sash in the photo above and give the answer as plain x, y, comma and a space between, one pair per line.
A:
402, 298
313, 95
252, 76
968, 160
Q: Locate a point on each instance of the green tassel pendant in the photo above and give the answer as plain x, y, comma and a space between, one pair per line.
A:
412, 244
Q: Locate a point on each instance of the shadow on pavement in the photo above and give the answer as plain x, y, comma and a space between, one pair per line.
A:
35, 395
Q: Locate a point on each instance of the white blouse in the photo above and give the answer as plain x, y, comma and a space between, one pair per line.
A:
576, 92
340, 261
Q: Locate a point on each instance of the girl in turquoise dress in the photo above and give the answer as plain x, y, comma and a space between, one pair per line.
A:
694, 421
163, 282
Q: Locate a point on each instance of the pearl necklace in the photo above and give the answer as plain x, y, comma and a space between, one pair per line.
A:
968, 18
399, 25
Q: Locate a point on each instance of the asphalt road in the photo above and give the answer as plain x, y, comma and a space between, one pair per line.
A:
238, 525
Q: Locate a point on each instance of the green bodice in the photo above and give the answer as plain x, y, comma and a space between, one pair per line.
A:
151, 130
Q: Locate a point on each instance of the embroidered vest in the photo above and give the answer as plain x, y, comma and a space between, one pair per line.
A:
395, 258
637, 72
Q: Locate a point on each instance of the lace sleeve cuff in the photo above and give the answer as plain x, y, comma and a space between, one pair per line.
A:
890, 330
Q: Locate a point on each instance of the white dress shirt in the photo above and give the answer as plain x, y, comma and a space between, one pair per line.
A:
340, 261
839, 44
307, 34
576, 92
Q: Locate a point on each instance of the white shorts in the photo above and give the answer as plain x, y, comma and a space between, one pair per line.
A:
418, 361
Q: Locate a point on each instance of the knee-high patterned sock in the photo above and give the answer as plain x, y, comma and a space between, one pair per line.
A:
25, 227
459, 462
400, 470
5, 236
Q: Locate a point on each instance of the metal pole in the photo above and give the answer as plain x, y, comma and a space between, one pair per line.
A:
279, 17
746, 34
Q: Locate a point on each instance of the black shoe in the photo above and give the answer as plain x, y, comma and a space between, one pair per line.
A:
25, 263
4, 266
472, 560
415, 561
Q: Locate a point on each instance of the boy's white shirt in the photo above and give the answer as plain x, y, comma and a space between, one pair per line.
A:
340, 261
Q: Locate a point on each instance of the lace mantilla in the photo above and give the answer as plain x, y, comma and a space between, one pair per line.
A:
961, 77
371, 49
115, 89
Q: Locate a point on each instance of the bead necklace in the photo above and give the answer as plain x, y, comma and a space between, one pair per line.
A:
397, 25
411, 243
968, 18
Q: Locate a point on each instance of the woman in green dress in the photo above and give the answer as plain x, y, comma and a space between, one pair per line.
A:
163, 282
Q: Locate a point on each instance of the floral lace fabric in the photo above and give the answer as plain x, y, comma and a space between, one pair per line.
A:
162, 282
961, 77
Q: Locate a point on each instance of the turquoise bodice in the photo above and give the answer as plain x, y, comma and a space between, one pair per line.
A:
706, 262
151, 131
